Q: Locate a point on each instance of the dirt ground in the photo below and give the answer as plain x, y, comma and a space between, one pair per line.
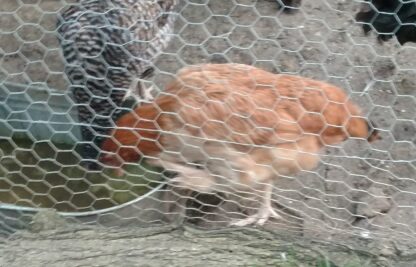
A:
358, 189
161, 246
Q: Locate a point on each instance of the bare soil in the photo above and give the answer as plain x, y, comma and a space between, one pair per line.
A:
361, 190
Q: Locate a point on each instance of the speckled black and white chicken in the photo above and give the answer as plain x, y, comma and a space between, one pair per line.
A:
109, 46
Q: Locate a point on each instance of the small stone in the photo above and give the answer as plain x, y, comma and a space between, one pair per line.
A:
218, 59
46, 219
373, 205
365, 234
387, 252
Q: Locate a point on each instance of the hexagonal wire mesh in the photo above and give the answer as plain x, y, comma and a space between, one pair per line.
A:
357, 188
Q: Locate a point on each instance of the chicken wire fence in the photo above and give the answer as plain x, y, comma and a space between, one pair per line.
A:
357, 188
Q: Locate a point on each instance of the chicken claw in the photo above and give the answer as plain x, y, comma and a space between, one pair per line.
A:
265, 212
262, 216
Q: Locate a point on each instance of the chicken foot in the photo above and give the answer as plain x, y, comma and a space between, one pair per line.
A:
264, 213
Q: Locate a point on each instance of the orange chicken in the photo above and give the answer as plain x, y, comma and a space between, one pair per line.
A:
234, 128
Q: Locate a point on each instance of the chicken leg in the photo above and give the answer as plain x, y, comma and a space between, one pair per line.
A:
187, 177
265, 211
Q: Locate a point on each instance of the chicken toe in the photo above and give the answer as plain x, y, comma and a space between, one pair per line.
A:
259, 218
264, 213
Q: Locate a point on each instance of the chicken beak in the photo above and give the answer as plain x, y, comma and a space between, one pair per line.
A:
375, 134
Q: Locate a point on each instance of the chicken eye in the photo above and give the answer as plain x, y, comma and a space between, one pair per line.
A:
198, 165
